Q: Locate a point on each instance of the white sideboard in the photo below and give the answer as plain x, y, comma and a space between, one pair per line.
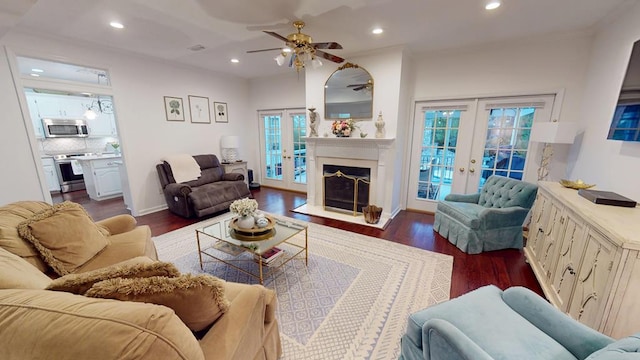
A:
586, 258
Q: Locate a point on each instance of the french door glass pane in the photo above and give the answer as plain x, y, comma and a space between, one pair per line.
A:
299, 148
507, 143
273, 150
439, 140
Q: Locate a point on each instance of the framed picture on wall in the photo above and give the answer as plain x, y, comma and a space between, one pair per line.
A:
221, 114
199, 109
173, 108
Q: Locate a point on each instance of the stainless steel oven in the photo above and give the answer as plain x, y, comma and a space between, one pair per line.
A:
69, 173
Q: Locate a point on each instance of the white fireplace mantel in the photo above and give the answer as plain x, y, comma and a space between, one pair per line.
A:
351, 151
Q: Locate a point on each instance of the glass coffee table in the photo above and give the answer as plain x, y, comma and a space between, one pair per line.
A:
246, 253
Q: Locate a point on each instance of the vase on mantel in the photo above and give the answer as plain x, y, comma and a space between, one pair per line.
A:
245, 222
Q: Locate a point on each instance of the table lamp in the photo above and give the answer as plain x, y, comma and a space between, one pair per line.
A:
229, 145
551, 133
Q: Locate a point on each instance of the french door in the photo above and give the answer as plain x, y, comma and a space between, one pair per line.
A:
283, 150
457, 145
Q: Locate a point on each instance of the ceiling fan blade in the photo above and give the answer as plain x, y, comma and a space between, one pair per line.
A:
359, 88
255, 51
330, 57
326, 45
276, 35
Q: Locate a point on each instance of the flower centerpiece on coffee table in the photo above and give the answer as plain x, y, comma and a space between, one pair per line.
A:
245, 209
343, 128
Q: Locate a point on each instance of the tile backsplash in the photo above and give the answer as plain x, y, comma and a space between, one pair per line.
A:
76, 145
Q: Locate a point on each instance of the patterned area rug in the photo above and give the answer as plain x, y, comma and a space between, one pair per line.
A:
351, 301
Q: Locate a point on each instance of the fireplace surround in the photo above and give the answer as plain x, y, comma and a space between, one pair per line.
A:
374, 154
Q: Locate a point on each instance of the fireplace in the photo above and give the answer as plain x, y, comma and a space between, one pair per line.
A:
374, 155
345, 188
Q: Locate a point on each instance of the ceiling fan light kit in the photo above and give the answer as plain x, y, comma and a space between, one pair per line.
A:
302, 49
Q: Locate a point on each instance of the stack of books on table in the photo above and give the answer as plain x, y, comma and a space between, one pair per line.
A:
270, 255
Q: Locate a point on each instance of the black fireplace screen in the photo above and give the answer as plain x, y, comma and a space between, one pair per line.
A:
346, 188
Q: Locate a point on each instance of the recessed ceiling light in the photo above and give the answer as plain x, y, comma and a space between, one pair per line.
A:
37, 70
35, 75
494, 4
235, 61
377, 31
116, 25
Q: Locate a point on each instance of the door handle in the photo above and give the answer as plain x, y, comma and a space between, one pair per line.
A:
461, 169
472, 170
288, 157
473, 161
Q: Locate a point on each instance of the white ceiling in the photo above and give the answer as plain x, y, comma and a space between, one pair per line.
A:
228, 28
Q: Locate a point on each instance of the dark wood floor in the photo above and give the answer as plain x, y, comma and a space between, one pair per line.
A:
502, 268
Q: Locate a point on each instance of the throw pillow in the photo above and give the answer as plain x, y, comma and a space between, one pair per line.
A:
198, 300
140, 266
65, 236
17, 273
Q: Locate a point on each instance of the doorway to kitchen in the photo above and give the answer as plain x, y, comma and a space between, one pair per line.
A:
70, 112
458, 144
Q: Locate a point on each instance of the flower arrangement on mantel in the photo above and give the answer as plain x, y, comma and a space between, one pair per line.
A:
343, 128
244, 207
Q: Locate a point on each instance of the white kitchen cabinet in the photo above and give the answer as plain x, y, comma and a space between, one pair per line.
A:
59, 107
51, 174
103, 125
588, 264
101, 176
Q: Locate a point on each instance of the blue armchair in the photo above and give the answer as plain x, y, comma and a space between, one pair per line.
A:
489, 323
489, 220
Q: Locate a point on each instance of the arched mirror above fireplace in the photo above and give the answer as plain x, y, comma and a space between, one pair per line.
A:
348, 93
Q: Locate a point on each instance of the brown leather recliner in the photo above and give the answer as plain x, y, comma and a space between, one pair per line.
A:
212, 192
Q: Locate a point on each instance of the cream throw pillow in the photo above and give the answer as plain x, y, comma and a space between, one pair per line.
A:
198, 300
65, 236
140, 266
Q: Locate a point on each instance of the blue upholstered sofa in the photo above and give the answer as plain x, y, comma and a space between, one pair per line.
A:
489, 220
489, 323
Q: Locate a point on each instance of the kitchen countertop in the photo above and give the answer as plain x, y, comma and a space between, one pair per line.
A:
96, 157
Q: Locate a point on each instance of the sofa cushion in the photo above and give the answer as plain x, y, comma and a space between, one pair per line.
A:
17, 273
65, 236
623, 349
141, 266
42, 324
198, 300
212, 194
11, 216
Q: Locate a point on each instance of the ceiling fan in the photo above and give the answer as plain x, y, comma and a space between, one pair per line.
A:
302, 48
358, 87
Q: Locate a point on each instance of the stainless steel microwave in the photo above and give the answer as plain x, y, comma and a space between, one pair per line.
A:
65, 128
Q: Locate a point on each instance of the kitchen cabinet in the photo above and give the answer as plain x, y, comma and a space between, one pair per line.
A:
59, 107
101, 176
237, 167
587, 258
51, 174
103, 125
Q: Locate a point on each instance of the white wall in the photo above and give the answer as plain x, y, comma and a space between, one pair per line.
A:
538, 65
612, 165
139, 84
20, 178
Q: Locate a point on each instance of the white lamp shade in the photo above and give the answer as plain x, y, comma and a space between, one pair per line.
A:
554, 132
229, 142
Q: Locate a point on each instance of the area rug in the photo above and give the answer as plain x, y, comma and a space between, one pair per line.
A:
351, 301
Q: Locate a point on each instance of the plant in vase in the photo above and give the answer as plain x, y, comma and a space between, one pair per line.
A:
245, 209
343, 128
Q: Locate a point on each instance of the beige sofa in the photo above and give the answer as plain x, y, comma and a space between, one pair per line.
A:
44, 324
